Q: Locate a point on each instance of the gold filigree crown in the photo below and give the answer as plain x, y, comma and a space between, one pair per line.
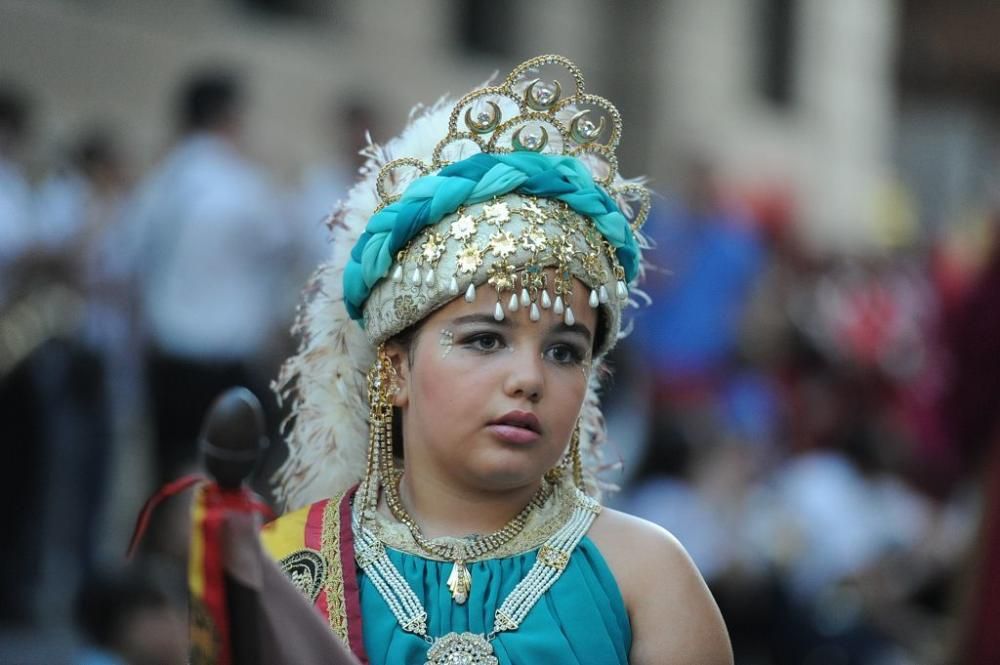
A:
527, 112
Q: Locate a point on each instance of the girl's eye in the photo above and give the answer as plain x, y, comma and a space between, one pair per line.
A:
484, 342
565, 354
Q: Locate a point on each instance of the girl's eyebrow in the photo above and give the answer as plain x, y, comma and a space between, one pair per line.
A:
480, 318
576, 328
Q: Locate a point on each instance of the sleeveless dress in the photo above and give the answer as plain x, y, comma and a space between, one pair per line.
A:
581, 619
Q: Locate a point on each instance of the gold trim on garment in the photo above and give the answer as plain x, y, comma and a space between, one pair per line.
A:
334, 583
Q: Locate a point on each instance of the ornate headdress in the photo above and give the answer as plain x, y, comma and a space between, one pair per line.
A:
515, 187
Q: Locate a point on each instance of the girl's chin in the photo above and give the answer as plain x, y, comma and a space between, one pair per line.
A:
506, 474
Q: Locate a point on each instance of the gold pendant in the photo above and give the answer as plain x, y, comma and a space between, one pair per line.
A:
459, 582
461, 649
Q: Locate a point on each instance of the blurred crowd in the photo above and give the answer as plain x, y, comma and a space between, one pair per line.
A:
128, 302
820, 429
816, 428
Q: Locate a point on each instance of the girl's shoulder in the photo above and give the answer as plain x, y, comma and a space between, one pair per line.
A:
661, 587
634, 548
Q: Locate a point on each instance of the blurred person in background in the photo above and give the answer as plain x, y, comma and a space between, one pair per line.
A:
20, 417
78, 216
689, 335
125, 617
858, 548
212, 251
80, 207
54, 413
348, 125
971, 407
711, 415
56, 416
15, 193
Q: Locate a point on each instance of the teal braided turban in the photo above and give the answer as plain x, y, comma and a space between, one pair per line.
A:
480, 178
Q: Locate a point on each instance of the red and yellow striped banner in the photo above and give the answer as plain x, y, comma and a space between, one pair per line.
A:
209, 620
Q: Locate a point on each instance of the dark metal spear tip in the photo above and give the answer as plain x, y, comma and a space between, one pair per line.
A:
232, 437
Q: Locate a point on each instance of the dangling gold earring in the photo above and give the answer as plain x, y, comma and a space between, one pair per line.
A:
574, 457
570, 462
382, 386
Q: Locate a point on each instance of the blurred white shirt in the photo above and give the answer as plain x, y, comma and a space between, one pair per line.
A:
827, 521
214, 249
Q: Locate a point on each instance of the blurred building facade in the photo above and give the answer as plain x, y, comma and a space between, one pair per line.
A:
792, 98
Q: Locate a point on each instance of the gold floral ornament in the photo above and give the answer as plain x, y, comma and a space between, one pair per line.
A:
463, 228
551, 243
502, 243
469, 258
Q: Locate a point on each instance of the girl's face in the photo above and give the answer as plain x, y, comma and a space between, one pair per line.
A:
491, 405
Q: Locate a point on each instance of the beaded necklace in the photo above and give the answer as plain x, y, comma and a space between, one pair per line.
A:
473, 648
461, 551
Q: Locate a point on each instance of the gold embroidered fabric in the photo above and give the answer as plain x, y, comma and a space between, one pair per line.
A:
541, 524
334, 582
307, 570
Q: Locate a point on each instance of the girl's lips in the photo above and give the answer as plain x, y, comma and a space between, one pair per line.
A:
513, 434
522, 419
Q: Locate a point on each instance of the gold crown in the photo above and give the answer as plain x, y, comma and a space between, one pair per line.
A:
526, 112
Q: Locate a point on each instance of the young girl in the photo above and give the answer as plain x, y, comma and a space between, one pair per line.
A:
444, 444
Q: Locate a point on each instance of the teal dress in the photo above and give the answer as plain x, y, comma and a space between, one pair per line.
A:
580, 620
